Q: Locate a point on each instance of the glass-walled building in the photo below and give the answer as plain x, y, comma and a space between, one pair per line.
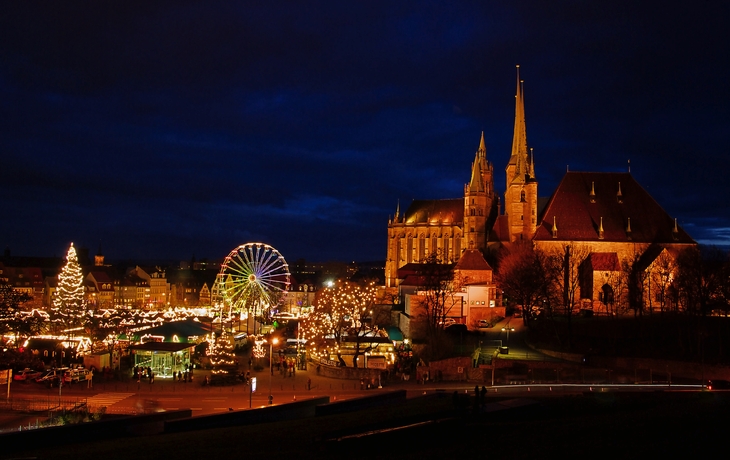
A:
164, 358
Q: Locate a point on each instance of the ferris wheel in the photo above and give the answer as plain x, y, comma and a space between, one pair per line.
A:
253, 278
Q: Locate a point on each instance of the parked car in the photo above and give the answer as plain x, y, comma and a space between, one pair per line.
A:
50, 378
27, 374
75, 375
484, 324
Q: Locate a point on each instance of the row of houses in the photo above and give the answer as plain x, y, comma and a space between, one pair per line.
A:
137, 286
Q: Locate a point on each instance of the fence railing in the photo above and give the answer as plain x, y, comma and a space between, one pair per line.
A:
42, 404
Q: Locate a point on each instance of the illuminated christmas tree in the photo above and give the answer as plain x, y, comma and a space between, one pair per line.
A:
69, 299
220, 354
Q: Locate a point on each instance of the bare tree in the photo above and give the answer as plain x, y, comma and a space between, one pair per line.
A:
563, 272
661, 276
701, 276
522, 276
437, 296
612, 292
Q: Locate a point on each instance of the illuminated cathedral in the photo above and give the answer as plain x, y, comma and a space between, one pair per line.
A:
609, 215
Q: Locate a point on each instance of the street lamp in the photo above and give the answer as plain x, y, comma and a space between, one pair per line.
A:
272, 342
508, 329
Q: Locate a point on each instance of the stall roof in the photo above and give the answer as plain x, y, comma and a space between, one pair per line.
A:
185, 328
162, 346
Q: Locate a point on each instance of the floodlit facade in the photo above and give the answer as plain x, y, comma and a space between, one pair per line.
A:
606, 219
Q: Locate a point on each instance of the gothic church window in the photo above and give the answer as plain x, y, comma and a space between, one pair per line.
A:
606, 295
522, 196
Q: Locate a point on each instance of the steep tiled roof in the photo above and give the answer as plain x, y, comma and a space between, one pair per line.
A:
579, 214
415, 274
472, 259
21, 277
100, 276
422, 211
500, 231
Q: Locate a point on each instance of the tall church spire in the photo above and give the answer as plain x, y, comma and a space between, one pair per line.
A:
519, 160
520, 197
478, 168
475, 184
482, 148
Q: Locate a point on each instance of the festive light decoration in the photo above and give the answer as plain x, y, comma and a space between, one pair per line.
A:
220, 353
258, 350
339, 311
69, 299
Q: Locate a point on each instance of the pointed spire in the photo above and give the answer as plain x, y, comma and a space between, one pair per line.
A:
619, 195
519, 140
397, 211
476, 184
555, 228
628, 228
592, 195
675, 230
600, 230
532, 163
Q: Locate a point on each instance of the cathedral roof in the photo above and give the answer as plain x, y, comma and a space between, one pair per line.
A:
500, 231
423, 211
472, 259
590, 206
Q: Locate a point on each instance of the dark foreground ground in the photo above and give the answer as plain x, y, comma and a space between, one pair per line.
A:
599, 425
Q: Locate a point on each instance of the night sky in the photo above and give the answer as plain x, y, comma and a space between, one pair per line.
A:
166, 130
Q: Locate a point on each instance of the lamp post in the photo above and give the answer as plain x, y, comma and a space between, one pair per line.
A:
508, 329
272, 342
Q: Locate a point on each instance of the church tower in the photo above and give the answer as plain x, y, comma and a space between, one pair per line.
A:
479, 203
99, 258
520, 197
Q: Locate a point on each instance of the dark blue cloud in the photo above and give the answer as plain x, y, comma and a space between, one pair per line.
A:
166, 129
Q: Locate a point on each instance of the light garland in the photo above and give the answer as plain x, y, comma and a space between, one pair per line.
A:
258, 350
220, 353
340, 310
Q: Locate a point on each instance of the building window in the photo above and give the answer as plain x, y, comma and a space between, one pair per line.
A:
606, 295
522, 196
